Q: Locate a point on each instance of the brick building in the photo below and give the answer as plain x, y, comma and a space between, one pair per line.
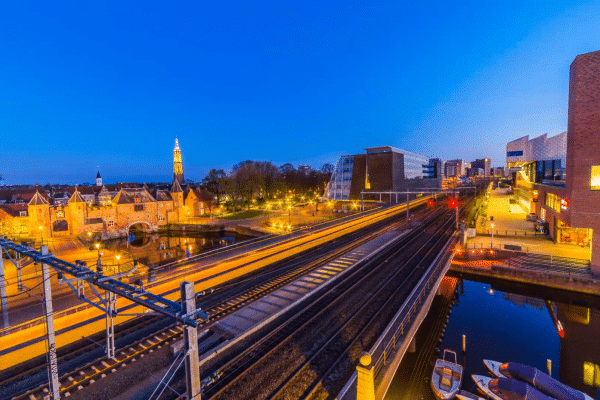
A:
570, 204
105, 216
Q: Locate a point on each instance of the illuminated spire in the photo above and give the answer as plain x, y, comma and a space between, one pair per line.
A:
177, 164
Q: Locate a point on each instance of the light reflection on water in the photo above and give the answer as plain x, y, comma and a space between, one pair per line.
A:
504, 327
162, 248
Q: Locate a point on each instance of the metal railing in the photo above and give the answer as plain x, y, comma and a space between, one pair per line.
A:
394, 334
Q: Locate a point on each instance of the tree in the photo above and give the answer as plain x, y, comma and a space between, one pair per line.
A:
327, 169
248, 180
287, 167
216, 182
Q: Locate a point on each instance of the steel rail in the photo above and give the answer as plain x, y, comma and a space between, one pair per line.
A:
354, 280
172, 332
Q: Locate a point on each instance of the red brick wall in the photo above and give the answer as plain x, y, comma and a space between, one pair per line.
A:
583, 147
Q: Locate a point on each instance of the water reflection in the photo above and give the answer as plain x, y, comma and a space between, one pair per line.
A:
524, 327
162, 248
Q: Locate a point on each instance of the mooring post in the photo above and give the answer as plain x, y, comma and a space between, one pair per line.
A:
549, 366
190, 338
464, 343
52, 362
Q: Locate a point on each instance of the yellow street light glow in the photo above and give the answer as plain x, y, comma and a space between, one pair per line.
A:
289, 227
89, 233
97, 245
40, 228
118, 257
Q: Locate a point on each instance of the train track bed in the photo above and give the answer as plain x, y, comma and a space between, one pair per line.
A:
314, 353
219, 303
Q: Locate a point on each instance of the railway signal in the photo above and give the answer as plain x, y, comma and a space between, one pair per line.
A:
430, 203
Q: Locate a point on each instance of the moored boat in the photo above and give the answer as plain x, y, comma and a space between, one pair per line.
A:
536, 378
446, 378
507, 389
464, 395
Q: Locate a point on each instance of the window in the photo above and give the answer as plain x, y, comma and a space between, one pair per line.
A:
595, 179
60, 214
553, 201
138, 207
111, 223
137, 200
160, 205
160, 218
22, 213
514, 153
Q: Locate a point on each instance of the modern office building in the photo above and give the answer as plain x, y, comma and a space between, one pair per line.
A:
567, 199
483, 164
456, 168
380, 169
433, 169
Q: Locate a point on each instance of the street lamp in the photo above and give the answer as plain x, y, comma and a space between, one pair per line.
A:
492, 244
290, 214
41, 233
118, 257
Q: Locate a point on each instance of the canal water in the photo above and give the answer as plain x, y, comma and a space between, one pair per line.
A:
511, 323
162, 248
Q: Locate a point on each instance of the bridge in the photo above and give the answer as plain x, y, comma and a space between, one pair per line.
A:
313, 273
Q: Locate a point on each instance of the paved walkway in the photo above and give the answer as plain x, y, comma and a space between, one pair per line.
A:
512, 228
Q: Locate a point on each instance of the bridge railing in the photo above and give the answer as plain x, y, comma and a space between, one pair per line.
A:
394, 334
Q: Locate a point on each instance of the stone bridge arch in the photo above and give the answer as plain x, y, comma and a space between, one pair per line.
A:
147, 226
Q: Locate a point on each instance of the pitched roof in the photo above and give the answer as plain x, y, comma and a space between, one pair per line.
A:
98, 175
128, 196
176, 187
76, 197
38, 200
13, 209
162, 195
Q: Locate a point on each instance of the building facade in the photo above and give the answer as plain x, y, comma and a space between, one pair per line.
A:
567, 199
380, 169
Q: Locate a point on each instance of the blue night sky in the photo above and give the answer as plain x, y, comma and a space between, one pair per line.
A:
111, 84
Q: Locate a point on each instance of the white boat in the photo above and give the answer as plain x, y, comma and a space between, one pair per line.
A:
463, 395
494, 368
483, 383
536, 378
447, 377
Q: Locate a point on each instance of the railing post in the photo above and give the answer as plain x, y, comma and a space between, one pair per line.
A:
365, 381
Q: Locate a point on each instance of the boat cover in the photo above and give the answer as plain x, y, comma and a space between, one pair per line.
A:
536, 378
511, 389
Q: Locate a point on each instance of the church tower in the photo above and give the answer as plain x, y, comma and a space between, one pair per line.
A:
98, 179
177, 165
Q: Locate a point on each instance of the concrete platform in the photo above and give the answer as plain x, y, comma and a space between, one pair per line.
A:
256, 315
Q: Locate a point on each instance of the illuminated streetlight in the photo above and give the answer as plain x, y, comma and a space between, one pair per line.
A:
492, 243
41, 233
290, 214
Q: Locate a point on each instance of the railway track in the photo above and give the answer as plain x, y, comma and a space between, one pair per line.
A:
333, 328
219, 303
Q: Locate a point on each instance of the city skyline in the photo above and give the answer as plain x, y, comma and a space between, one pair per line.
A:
277, 83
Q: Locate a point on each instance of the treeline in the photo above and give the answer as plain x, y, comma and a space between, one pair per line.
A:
261, 180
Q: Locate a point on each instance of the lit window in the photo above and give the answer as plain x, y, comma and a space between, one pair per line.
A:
591, 374
595, 179
111, 223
